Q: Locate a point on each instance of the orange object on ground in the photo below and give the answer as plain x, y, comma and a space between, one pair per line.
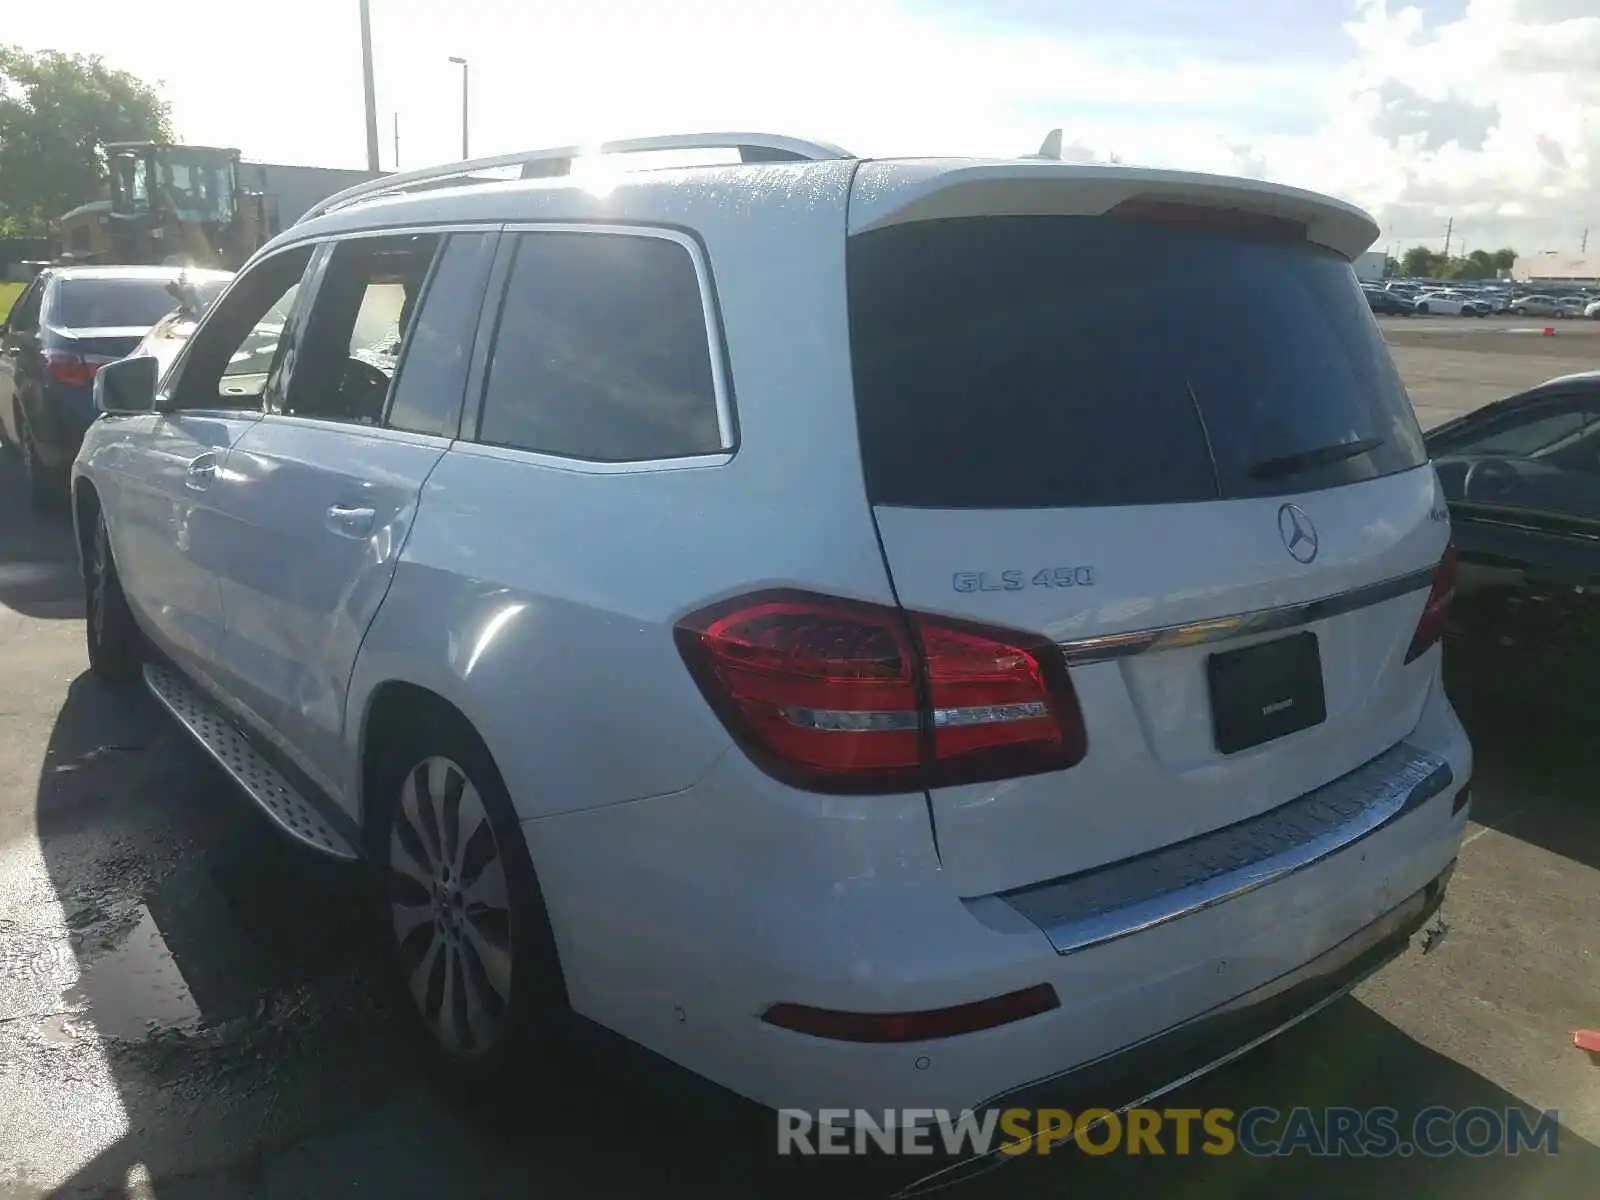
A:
1587, 1039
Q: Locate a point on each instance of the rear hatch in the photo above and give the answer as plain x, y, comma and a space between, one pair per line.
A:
1165, 433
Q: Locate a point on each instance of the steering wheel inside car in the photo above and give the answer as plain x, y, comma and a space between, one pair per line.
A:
362, 389
1491, 480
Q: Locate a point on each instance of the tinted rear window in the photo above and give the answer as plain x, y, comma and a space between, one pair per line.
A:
111, 303
1021, 362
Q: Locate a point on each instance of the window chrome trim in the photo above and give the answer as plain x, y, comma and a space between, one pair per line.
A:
721, 384
276, 420
1106, 647
583, 466
1108, 903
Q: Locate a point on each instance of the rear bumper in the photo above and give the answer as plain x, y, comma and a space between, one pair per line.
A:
1194, 1048
682, 919
64, 415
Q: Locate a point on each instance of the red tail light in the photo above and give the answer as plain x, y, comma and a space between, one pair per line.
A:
839, 696
68, 368
1436, 613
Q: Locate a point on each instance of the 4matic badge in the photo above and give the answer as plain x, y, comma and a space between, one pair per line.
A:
1017, 580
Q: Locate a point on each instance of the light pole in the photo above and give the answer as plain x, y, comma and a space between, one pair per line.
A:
366, 78
462, 63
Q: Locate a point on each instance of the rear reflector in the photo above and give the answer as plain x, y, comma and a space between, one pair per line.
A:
1199, 216
841, 696
1436, 612
914, 1026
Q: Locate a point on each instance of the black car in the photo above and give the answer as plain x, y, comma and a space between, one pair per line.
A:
1381, 301
1522, 479
68, 322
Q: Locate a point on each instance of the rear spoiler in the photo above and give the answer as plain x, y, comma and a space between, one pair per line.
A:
896, 192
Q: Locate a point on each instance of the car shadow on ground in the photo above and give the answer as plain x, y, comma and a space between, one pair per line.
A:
38, 560
1530, 709
229, 997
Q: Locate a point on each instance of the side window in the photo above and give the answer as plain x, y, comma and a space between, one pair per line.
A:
350, 345
230, 356
1528, 433
26, 317
601, 351
433, 374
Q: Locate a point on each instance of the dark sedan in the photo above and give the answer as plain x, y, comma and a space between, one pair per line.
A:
67, 323
1381, 301
1522, 479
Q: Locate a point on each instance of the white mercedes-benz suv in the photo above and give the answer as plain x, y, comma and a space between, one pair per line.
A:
880, 634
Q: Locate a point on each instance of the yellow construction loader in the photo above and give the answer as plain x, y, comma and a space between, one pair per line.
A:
169, 204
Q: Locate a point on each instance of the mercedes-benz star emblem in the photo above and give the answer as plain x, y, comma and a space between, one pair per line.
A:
1298, 533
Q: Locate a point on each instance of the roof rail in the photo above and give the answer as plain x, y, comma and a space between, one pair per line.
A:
557, 161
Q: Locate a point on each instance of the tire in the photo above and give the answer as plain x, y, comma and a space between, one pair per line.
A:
1422, 308
45, 488
461, 922
116, 647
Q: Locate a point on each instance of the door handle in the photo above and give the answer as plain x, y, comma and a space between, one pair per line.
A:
350, 521
201, 473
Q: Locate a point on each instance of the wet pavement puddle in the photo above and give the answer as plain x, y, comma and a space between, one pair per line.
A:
136, 987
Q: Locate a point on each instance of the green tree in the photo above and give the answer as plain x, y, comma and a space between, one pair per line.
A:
1504, 259
1391, 267
1420, 262
57, 112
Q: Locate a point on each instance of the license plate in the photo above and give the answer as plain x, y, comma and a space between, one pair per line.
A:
1265, 692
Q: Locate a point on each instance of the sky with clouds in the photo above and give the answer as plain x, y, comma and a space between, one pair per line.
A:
1487, 111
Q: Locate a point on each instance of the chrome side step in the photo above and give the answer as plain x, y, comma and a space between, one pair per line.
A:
259, 779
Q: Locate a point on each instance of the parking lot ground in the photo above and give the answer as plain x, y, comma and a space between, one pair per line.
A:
189, 1009
1453, 365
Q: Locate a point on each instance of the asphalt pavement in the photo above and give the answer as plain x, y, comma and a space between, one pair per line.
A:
190, 1008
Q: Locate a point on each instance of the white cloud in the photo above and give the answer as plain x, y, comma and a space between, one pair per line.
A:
1487, 119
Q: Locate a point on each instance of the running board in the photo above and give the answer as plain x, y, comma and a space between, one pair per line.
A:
259, 779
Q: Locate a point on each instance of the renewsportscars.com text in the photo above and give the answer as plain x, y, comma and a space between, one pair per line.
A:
1260, 1132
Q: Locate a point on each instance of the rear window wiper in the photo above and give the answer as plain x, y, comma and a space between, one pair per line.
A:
1293, 464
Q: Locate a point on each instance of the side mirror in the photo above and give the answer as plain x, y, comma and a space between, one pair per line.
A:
126, 387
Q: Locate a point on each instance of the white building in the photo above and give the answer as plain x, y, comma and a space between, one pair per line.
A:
1369, 266
1568, 266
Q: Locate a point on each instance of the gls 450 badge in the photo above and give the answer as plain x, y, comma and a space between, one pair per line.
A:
1016, 581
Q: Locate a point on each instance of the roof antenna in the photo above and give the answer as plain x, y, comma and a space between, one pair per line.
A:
1050, 149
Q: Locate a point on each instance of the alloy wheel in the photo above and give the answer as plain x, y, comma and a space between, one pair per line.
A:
450, 908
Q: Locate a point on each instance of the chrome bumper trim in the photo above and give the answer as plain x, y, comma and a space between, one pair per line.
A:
1108, 646
1108, 903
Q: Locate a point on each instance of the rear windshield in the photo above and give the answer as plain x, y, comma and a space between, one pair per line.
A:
111, 303
1027, 362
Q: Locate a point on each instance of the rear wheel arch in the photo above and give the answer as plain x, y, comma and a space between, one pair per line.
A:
405, 724
86, 508
396, 710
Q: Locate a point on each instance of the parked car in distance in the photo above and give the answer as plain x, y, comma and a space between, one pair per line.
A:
1536, 305
1451, 304
65, 325
1388, 303
1571, 306
797, 656
1592, 310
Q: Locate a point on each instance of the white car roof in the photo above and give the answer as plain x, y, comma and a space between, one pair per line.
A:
882, 192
